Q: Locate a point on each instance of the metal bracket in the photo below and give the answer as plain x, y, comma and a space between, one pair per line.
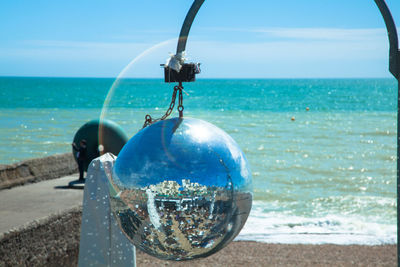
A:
394, 52
176, 70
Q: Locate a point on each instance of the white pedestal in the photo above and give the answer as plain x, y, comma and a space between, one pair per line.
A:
102, 242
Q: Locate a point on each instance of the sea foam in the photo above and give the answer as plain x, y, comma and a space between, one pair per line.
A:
276, 227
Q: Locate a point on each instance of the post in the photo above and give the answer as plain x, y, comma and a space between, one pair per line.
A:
394, 68
398, 172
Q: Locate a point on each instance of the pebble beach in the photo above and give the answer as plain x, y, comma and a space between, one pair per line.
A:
242, 253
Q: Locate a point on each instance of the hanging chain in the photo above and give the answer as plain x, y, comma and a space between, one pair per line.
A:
180, 106
149, 120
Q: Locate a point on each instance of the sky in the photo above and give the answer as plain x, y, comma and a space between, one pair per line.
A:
231, 39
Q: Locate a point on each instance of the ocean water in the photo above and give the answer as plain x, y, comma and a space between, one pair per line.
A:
326, 175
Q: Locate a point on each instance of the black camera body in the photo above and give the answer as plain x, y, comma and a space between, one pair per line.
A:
186, 74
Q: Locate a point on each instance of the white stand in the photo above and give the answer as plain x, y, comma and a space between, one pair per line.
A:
102, 242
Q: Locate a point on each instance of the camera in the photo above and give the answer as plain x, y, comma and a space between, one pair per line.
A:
186, 74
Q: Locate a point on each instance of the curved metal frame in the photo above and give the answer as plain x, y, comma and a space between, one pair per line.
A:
187, 24
394, 52
394, 68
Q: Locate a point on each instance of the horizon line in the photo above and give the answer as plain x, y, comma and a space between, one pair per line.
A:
203, 78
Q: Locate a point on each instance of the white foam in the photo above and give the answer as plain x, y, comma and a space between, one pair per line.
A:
274, 227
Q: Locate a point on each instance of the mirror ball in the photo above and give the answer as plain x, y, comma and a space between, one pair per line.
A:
181, 189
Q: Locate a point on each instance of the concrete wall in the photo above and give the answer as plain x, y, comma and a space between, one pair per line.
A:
53, 241
35, 170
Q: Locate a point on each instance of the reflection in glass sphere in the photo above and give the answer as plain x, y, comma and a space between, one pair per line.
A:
181, 189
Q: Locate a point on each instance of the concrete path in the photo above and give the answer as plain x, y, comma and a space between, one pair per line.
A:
24, 204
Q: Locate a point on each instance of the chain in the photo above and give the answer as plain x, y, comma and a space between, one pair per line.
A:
180, 106
149, 120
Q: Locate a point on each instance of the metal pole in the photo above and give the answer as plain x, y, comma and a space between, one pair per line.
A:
187, 24
394, 68
398, 172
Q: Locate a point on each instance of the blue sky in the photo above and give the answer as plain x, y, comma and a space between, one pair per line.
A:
232, 39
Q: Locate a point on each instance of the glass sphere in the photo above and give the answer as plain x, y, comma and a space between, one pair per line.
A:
181, 189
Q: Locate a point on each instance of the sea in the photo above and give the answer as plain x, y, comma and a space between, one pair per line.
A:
322, 151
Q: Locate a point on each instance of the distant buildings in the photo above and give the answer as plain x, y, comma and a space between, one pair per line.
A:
165, 188
193, 187
172, 188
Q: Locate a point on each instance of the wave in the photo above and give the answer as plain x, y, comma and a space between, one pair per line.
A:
275, 227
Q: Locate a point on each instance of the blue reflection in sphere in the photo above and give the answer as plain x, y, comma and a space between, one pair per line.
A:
181, 189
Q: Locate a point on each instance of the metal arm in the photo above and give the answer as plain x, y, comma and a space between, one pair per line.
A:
394, 52
187, 24
175, 70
